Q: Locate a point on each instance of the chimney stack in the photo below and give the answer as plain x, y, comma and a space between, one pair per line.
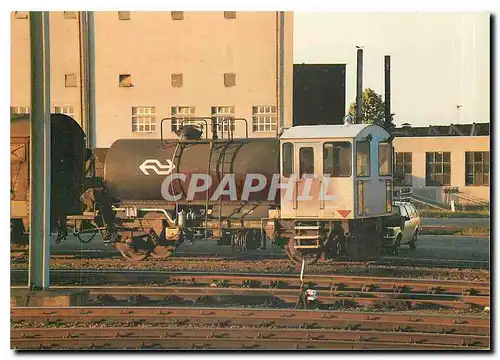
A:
359, 86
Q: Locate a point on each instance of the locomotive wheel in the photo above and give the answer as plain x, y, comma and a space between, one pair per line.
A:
136, 248
298, 256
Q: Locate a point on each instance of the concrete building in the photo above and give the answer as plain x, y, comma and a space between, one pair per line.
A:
154, 65
444, 163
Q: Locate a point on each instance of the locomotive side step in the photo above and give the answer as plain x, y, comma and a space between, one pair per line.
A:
306, 246
309, 227
306, 237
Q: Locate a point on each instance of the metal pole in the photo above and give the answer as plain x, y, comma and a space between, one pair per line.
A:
82, 38
39, 251
458, 113
282, 71
359, 87
91, 81
387, 95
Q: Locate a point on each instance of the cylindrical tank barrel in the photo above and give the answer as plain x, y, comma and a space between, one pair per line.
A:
135, 169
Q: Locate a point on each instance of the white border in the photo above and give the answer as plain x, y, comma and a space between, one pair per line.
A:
291, 5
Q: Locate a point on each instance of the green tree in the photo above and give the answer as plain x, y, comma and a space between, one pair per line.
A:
373, 110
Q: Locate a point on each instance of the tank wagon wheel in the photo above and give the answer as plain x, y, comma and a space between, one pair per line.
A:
162, 251
135, 248
298, 256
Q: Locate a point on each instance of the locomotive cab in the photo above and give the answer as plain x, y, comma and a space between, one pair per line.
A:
336, 172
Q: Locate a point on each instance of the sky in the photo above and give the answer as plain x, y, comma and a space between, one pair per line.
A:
438, 59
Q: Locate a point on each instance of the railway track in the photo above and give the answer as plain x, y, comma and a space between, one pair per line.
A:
221, 328
335, 291
254, 263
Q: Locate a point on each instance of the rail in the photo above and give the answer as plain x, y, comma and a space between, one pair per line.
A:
248, 328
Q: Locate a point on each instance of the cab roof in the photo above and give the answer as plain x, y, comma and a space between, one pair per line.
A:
324, 131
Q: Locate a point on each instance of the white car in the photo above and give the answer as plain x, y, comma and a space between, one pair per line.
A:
407, 226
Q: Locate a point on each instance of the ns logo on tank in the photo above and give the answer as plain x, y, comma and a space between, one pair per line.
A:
156, 166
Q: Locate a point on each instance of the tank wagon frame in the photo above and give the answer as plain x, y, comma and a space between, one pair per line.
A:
334, 195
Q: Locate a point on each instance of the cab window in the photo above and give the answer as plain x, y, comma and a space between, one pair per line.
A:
384, 159
287, 159
306, 161
363, 158
337, 159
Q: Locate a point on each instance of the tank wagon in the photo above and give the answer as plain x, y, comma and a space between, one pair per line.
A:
316, 191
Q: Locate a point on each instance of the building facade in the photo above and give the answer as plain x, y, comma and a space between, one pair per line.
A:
444, 163
154, 65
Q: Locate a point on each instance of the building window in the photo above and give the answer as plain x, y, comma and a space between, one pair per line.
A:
337, 159
363, 158
125, 80
177, 15
182, 115
66, 109
177, 80
384, 159
123, 15
70, 80
229, 79
477, 168
264, 118
223, 118
143, 119
402, 176
438, 168
21, 14
19, 110
70, 15
287, 159
229, 14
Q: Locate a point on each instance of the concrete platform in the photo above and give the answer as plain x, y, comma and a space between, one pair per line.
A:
56, 298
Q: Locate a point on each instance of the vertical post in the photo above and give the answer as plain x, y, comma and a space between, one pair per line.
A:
282, 71
91, 140
387, 88
458, 113
39, 251
359, 87
82, 38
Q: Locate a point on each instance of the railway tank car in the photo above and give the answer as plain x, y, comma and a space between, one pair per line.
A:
317, 191
67, 173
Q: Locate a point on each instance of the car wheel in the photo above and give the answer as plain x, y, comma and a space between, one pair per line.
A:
413, 242
395, 247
